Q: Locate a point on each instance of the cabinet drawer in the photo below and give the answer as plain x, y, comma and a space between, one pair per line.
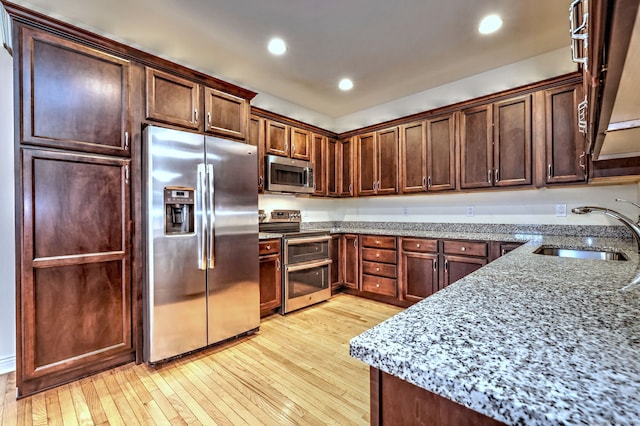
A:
419, 245
384, 256
379, 285
381, 269
269, 247
378, 242
466, 248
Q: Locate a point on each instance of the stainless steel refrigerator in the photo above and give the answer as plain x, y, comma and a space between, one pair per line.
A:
202, 265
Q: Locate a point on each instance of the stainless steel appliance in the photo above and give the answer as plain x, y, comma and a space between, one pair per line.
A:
288, 175
306, 259
202, 267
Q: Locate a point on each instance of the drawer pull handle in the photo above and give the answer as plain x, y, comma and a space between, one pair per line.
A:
463, 248
268, 247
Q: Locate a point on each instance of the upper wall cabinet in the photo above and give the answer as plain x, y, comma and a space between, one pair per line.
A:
564, 144
427, 155
319, 160
377, 162
172, 99
226, 115
495, 144
287, 141
72, 96
256, 138
185, 103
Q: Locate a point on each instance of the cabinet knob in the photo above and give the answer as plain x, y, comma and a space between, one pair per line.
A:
377, 242
463, 248
377, 269
377, 285
377, 254
268, 247
418, 245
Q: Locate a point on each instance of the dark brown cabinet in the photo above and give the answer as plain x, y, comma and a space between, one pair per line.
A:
270, 277
256, 138
72, 96
418, 266
564, 145
300, 144
349, 261
319, 161
276, 138
377, 162
495, 144
378, 270
74, 297
346, 171
332, 162
460, 258
335, 250
172, 99
427, 155
182, 102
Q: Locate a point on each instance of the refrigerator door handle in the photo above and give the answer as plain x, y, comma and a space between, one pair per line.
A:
212, 217
201, 212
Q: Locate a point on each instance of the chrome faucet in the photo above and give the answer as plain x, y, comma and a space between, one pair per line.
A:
630, 224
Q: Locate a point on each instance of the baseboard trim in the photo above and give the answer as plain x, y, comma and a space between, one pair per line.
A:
7, 364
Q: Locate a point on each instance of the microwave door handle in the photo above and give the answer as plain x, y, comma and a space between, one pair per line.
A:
201, 213
212, 217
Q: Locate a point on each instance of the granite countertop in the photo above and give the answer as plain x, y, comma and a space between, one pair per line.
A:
268, 235
527, 339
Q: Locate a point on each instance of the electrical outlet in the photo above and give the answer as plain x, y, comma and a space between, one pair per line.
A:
357, 212
561, 210
470, 211
405, 211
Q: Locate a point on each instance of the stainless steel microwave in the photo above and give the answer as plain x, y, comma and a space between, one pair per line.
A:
288, 175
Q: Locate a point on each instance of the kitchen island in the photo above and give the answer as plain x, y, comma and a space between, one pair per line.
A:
528, 339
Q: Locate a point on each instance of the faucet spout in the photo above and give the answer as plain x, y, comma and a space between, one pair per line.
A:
630, 224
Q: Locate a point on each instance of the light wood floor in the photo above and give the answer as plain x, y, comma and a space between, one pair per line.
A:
295, 371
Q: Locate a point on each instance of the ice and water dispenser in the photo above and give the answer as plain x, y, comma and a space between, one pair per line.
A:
179, 204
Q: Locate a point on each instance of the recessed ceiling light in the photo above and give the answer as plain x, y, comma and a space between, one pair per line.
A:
490, 24
277, 46
345, 84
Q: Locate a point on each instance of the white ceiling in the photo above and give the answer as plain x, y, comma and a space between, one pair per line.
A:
390, 48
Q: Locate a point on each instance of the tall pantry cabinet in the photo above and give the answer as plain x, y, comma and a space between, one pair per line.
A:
74, 293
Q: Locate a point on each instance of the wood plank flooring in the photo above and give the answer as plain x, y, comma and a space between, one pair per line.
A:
295, 371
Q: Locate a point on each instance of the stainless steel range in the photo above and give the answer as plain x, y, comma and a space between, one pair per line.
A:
306, 260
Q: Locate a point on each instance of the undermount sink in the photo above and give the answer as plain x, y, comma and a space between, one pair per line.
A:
581, 253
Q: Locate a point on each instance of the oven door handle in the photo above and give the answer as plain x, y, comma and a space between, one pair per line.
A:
294, 241
301, 266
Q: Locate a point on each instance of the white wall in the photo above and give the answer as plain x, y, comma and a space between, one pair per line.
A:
7, 218
534, 206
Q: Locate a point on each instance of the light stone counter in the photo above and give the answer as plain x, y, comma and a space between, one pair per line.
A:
527, 339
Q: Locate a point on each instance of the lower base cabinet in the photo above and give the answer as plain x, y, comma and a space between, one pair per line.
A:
349, 261
397, 402
270, 277
335, 276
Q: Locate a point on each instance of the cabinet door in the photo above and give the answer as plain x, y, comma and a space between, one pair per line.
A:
565, 145
74, 292
346, 185
456, 267
387, 161
300, 144
512, 142
256, 138
226, 115
277, 138
319, 161
72, 96
366, 164
441, 152
419, 276
336, 278
413, 157
333, 168
172, 99
350, 260
476, 154
270, 284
